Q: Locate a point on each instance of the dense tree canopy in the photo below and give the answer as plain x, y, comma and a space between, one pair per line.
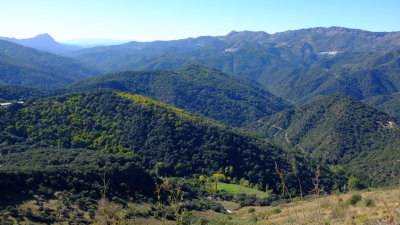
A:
134, 125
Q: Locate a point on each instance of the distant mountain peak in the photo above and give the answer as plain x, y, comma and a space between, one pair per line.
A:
43, 42
44, 37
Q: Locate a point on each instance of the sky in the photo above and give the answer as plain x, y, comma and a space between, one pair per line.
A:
147, 20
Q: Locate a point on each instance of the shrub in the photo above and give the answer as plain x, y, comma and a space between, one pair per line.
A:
354, 183
204, 204
245, 200
251, 210
354, 199
276, 211
193, 219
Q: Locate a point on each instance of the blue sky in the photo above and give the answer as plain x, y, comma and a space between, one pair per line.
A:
147, 20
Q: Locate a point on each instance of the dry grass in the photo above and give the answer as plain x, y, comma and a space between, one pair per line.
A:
333, 210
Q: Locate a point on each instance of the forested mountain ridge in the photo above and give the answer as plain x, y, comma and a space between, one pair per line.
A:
30, 67
196, 88
244, 58
339, 130
336, 125
360, 75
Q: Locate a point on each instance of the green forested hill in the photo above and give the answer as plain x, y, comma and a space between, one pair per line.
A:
333, 128
30, 67
167, 139
195, 88
339, 130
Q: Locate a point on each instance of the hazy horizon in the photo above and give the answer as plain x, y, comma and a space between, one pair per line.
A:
170, 20
105, 41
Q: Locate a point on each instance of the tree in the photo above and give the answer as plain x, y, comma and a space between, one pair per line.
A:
160, 169
354, 183
218, 177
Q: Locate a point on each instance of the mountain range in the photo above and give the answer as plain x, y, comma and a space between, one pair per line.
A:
316, 61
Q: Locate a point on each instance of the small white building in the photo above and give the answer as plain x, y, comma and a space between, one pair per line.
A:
9, 103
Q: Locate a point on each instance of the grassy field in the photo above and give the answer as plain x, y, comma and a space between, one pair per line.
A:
237, 189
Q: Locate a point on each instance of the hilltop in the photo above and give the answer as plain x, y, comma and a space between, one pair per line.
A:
196, 88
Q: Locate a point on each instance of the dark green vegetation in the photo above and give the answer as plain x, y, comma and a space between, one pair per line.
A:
81, 173
167, 139
195, 88
17, 93
341, 131
29, 67
60, 185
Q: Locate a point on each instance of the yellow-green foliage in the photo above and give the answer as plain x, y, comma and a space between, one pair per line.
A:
151, 103
68, 124
219, 177
176, 113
